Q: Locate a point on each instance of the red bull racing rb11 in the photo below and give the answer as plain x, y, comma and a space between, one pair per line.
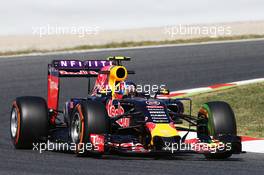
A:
115, 118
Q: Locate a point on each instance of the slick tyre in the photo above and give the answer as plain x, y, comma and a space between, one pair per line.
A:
220, 121
89, 117
28, 121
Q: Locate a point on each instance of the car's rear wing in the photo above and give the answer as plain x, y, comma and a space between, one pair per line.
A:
76, 68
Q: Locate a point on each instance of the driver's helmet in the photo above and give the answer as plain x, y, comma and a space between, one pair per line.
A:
125, 89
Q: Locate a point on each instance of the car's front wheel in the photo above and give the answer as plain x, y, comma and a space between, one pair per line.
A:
219, 122
88, 119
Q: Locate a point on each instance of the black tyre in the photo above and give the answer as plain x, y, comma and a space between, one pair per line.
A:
28, 121
88, 117
220, 120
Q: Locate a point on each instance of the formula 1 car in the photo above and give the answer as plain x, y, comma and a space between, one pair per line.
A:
115, 118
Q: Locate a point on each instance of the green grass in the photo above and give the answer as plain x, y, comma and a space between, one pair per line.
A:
247, 102
134, 44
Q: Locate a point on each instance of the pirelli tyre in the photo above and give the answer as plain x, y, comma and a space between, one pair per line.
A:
28, 121
220, 121
89, 117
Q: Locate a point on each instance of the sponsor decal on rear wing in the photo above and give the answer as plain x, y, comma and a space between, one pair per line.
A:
84, 65
77, 68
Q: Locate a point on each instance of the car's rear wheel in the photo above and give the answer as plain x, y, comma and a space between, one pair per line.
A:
89, 117
28, 121
220, 120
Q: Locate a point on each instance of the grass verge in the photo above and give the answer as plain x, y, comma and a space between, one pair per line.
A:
247, 102
135, 44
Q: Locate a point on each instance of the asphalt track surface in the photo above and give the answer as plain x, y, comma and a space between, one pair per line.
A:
178, 67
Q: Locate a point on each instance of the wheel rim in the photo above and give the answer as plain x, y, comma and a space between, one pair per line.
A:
76, 128
14, 123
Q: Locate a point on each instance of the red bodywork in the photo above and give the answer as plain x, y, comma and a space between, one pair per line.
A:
53, 92
71, 68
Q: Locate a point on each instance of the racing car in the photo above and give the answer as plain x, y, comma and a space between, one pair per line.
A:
115, 118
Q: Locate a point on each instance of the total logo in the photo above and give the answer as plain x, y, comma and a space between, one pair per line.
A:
98, 142
152, 102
